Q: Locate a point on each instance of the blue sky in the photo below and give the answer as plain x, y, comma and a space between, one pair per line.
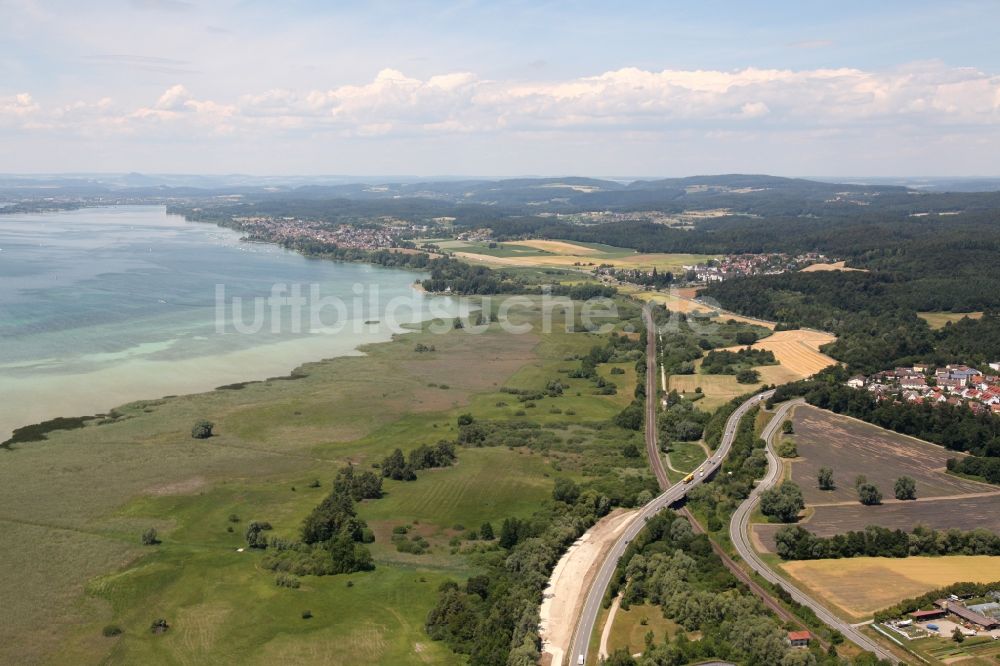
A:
500, 88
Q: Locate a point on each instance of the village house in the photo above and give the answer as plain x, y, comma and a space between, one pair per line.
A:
952, 385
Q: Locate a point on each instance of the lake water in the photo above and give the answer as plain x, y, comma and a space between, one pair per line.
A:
103, 306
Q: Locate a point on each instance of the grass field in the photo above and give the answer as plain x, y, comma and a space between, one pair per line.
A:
629, 629
686, 456
73, 562
937, 320
862, 585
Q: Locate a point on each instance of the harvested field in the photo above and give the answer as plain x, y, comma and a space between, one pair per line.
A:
798, 351
851, 447
967, 513
719, 389
557, 247
835, 266
564, 254
678, 302
937, 320
862, 585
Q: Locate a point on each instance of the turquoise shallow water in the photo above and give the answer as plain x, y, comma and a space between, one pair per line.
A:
103, 306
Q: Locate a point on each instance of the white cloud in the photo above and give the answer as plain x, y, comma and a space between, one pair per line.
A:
21, 105
173, 99
628, 100
754, 110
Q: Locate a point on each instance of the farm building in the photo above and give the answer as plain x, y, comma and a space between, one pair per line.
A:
932, 614
799, 638
967, 614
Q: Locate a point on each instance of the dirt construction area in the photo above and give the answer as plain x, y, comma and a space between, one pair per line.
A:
570, 581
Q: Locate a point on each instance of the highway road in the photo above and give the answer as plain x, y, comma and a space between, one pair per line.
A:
739, 534
672, 495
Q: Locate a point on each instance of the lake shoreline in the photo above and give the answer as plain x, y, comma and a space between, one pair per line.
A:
64, 385
242, 377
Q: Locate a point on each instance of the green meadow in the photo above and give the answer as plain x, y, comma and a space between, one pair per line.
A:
75, 504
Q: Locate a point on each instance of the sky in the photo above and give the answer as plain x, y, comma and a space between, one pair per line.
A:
468, 88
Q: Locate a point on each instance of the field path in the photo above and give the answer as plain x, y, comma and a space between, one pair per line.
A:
602, 652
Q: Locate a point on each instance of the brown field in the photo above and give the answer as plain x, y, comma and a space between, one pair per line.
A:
836, 266
662, 262
862, 585
937, 320
557, 247
798, 351
965, 513
851, 447
677, 301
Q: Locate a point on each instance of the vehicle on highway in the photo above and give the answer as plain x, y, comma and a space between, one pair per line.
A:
689, 478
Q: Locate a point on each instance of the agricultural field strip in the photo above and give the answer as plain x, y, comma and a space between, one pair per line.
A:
739, 535
852, 447
585, 627
861, 586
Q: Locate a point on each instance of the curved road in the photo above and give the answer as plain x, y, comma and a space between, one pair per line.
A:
739, 534
595, 595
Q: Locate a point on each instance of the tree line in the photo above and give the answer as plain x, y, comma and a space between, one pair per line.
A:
793, 542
